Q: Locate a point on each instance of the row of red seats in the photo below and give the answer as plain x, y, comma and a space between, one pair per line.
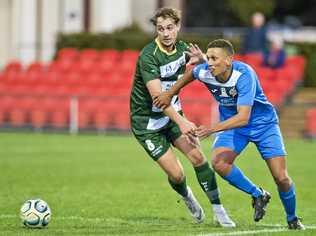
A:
256, 60
56, 84
310, 123
41, 112
92, 113
84, 68
84, 63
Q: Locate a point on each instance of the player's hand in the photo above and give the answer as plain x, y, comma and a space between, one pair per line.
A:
195, 54
163, 100
187, 128
202, 132
193, 140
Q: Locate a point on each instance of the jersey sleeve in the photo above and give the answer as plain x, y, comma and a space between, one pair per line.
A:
196, 71
149, 67
246, 87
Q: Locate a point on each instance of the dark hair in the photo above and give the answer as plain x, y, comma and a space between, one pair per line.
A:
166, 13
222, 43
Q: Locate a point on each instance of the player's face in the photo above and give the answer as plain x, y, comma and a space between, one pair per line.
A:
167, 32
218, 60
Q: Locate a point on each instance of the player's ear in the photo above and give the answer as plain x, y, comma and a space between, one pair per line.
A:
229, 60
178, 26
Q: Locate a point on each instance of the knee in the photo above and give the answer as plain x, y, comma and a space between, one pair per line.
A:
177, 177
283, 181
218, 164
197, 158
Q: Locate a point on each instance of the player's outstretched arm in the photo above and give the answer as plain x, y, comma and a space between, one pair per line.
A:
238, 120
163, 100
186, 127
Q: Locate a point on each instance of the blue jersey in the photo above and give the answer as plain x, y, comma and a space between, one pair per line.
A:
242, 88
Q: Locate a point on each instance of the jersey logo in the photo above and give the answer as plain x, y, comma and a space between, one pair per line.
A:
205, 185
223, 93
172, 67
214, 90
233, 92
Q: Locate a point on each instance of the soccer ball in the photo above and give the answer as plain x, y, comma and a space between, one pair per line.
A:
35, 213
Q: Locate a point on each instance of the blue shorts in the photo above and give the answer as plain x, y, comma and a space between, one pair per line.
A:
267, 138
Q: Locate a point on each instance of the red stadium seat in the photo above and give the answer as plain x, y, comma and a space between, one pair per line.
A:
84, 66
89, 54
101, 91
129, 55
71, 78
198, 112
87, 107
13, 67
6, 103
110, 54
121, 114
17, 117
68, 54
295, 65
52, 78
60, 116
36, 67
128, 66
239, 57
61, 66
50, 111
105, 65
253, 59
18, 113
42, 110
104, 117
93, 79
275, 97
265, 73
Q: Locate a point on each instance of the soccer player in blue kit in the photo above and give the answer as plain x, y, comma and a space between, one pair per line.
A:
245, 116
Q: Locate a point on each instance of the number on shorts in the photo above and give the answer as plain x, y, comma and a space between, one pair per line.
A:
150, 145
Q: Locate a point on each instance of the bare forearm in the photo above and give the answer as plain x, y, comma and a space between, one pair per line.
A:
233, 122
186, 79
173, 115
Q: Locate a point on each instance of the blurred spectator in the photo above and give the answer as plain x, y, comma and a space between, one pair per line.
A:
255, 39
275, 56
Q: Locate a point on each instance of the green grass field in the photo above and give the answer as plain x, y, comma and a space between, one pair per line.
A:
106, 185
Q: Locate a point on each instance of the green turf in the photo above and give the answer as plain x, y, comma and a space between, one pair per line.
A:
106, 185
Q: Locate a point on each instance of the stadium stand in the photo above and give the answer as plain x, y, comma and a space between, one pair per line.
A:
39, 95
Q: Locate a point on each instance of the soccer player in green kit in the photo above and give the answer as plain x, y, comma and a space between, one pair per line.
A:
160, 64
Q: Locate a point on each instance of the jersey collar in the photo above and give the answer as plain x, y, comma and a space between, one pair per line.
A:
164, 50
230, 75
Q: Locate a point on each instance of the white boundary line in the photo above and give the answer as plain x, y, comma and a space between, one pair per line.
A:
4, 216
277, 227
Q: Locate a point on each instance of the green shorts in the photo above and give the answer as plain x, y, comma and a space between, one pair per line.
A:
156, 144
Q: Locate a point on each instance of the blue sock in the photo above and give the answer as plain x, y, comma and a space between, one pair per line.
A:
289, 202
240, 181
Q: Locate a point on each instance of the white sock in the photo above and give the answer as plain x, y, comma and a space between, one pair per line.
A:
217, 207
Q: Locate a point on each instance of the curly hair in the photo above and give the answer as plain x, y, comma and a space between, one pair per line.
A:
166, 12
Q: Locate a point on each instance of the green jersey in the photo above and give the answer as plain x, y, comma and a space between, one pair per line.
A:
155, 63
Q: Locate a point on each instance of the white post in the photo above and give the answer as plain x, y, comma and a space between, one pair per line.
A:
104, 15
24, 30
73, 111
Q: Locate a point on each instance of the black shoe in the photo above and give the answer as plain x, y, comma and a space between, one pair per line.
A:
296, 224
259, 204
